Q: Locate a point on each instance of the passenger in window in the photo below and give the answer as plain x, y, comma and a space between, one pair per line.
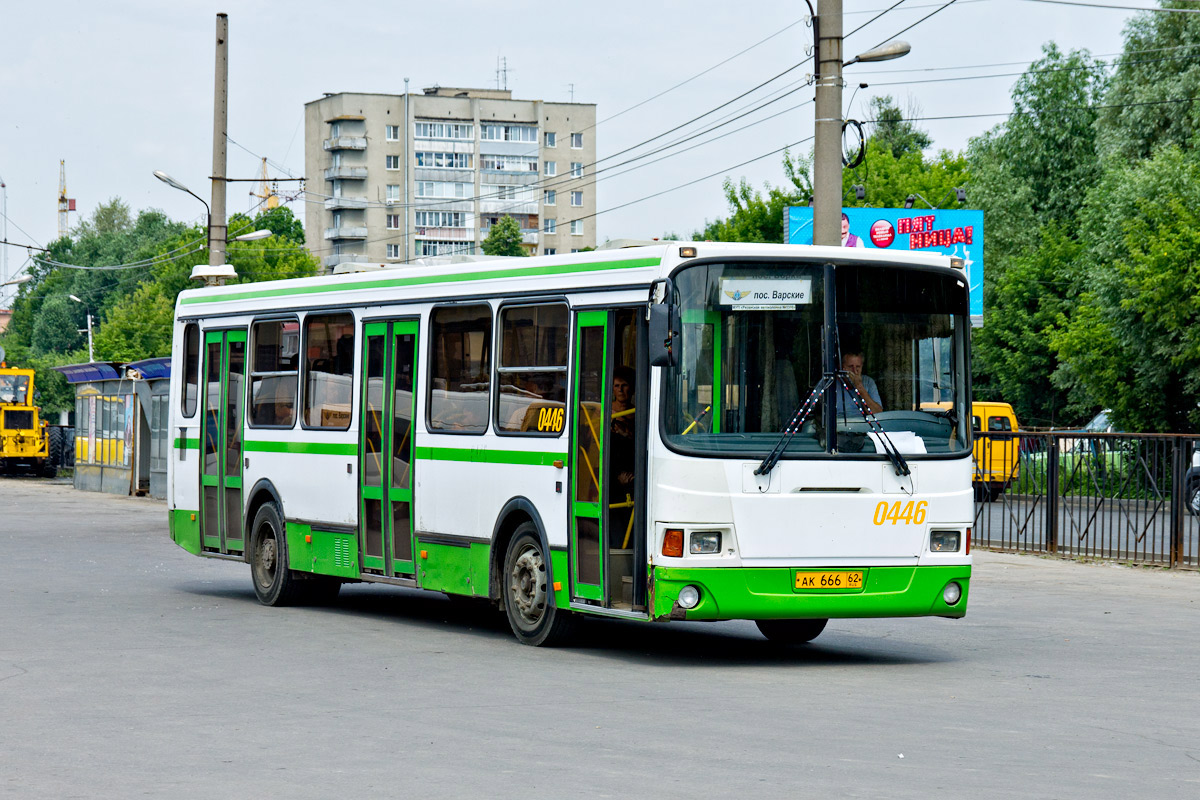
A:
621, 452
852, 365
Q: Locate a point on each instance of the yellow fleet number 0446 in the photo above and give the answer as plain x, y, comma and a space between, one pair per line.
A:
900, 511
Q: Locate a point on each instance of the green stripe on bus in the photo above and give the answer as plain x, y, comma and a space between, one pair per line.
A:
490, 456
187, 444
392, 283
317, 448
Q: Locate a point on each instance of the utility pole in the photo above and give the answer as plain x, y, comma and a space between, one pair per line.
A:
216, 220
827, 150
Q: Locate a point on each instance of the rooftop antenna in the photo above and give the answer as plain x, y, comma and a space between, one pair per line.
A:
571, 87
501, 72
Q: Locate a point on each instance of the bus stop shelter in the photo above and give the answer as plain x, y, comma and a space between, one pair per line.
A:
121, 426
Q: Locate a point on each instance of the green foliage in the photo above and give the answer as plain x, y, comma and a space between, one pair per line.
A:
504, 239
1133, 344
1025, 303
1151, 102
891, 132
139, 324
889, 178
132, 309
1050, 140
753, 217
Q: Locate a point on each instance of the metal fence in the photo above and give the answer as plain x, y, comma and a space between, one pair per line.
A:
1126, 497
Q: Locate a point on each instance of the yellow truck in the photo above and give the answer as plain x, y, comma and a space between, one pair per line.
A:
996, 462
26, 441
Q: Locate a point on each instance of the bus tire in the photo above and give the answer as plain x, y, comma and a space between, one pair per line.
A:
791, 631
274, 583
528, 603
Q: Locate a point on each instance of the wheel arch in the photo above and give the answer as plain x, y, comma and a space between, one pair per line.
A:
516, 511
260, 494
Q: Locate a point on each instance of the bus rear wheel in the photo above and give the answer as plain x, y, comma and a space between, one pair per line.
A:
525, 583
791, 631
274, 583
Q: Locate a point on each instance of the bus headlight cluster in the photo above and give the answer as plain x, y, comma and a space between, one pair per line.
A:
952, 593
689, 596
704, 542
944, 541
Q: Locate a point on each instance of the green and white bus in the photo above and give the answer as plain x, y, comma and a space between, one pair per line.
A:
653, 433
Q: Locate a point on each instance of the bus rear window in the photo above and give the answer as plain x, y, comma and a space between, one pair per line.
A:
328, 370
462, 365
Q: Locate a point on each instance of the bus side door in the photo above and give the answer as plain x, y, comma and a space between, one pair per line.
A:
386, 444
221, 441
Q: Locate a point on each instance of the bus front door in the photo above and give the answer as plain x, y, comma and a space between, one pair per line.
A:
607, 539
386, 444
221, 438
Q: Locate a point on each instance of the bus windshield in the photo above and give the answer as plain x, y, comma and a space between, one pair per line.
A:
753, 345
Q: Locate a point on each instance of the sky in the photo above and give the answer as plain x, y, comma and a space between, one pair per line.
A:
123, 88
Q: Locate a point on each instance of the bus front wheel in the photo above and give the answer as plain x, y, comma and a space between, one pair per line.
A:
528, 601
791, 631
274, 583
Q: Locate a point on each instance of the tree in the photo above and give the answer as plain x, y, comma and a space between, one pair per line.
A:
1151, 100
1049, 142
753, 217
888, 179
892, 131
504, 239
139, 324
1133, 343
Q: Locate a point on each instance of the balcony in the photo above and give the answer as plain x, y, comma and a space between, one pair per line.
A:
529, 237
344, 258
346, 173
346, 143
347, 232
446, 234
335, 203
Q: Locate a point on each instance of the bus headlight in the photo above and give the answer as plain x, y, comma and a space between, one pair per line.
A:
689, 596
944, 541
952, 593
704, 542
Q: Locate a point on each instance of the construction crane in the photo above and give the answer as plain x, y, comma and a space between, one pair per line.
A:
65, 204
268, 191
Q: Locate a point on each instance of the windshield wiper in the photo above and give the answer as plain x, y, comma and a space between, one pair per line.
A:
799, 417
889, 448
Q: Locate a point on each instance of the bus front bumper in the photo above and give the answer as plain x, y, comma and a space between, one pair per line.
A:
770, 593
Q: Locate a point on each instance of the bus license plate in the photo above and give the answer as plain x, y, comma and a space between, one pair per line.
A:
817, 581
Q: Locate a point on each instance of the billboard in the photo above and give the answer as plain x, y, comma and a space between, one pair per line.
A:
951, 232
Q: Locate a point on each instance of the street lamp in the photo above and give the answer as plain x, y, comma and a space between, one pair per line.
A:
91, 357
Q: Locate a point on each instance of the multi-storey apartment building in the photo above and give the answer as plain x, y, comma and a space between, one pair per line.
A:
392, 178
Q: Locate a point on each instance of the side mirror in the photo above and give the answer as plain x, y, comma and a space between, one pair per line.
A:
660, 314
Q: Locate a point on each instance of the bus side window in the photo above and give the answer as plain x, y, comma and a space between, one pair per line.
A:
999, 424
190, 368
975, 423
532, 372
274, 363
328, 370
461, 368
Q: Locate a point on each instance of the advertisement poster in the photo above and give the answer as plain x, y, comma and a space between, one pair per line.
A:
951, 232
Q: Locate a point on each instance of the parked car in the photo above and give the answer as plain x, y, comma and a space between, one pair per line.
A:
1191, 484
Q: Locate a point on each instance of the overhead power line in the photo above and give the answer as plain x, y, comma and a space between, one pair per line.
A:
915, 24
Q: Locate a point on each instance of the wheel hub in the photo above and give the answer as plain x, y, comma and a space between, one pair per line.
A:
527, 585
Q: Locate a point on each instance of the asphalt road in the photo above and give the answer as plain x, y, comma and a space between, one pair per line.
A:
130, 668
